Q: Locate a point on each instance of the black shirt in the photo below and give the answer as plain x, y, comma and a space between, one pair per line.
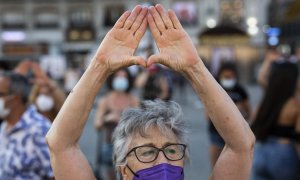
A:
237, 94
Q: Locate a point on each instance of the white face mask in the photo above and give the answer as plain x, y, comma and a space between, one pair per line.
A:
120, 83
4, 112
228, 83
44, 103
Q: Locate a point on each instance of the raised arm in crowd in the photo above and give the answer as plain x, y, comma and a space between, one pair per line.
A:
176, 52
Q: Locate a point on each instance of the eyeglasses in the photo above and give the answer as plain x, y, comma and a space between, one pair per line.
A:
147, 153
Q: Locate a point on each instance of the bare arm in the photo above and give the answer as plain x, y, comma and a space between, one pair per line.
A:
141, 79
244, 108
263, 73
116, 51
58, 95
262, 78
99, 116
178, 52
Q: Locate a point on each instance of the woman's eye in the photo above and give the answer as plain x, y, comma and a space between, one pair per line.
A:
148, 153
171, 151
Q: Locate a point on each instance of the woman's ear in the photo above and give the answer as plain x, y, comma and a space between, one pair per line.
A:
123, 172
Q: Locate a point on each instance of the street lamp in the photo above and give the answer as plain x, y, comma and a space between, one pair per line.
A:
252, 25
211, 23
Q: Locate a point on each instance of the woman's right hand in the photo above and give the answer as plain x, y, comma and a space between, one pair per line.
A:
117, 48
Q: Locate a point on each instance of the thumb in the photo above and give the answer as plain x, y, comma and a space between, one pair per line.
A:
156, 58
135, 60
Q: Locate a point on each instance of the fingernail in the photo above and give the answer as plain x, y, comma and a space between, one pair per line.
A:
137, 6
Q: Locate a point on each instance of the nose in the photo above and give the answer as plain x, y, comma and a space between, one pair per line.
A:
161, 158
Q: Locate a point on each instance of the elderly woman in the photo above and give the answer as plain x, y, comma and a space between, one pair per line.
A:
149, 142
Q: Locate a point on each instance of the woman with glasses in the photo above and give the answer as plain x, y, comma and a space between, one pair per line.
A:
154, 134
150, 141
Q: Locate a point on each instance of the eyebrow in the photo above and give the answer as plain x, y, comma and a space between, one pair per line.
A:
151, 144
147, 144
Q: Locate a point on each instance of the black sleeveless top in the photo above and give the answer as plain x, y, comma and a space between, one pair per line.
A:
284, 131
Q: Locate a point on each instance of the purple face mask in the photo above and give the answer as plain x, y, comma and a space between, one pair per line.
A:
160, 172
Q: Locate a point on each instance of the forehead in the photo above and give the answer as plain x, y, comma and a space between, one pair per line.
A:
4, 83
154, 137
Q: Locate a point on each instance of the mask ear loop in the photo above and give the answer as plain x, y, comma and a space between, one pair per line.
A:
132, 171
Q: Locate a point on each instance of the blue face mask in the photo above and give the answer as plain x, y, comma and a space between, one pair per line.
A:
160, 172
120, 84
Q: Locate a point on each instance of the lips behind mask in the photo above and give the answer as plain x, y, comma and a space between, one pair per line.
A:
160, 172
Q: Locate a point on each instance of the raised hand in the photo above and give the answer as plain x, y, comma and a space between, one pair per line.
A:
176, 48
117, 48
272, 56
23, 67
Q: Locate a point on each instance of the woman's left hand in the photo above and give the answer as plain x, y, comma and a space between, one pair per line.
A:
177, 50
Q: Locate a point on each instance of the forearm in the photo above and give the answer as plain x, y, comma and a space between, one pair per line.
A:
58, 94
263, 73
220, 108
70, 121
98, 122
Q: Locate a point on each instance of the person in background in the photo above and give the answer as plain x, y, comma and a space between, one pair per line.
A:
228, 79
154, 84
297, 55
110, 108
277, 126
149, 141
272, 55
71, 77
23, 150
3, 67
46, 95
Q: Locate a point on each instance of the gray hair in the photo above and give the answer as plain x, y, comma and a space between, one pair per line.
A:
167, 116
18, 84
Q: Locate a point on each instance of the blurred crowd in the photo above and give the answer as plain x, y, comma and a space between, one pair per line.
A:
31, 96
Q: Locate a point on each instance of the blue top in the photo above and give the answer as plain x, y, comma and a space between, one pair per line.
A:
24, 153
